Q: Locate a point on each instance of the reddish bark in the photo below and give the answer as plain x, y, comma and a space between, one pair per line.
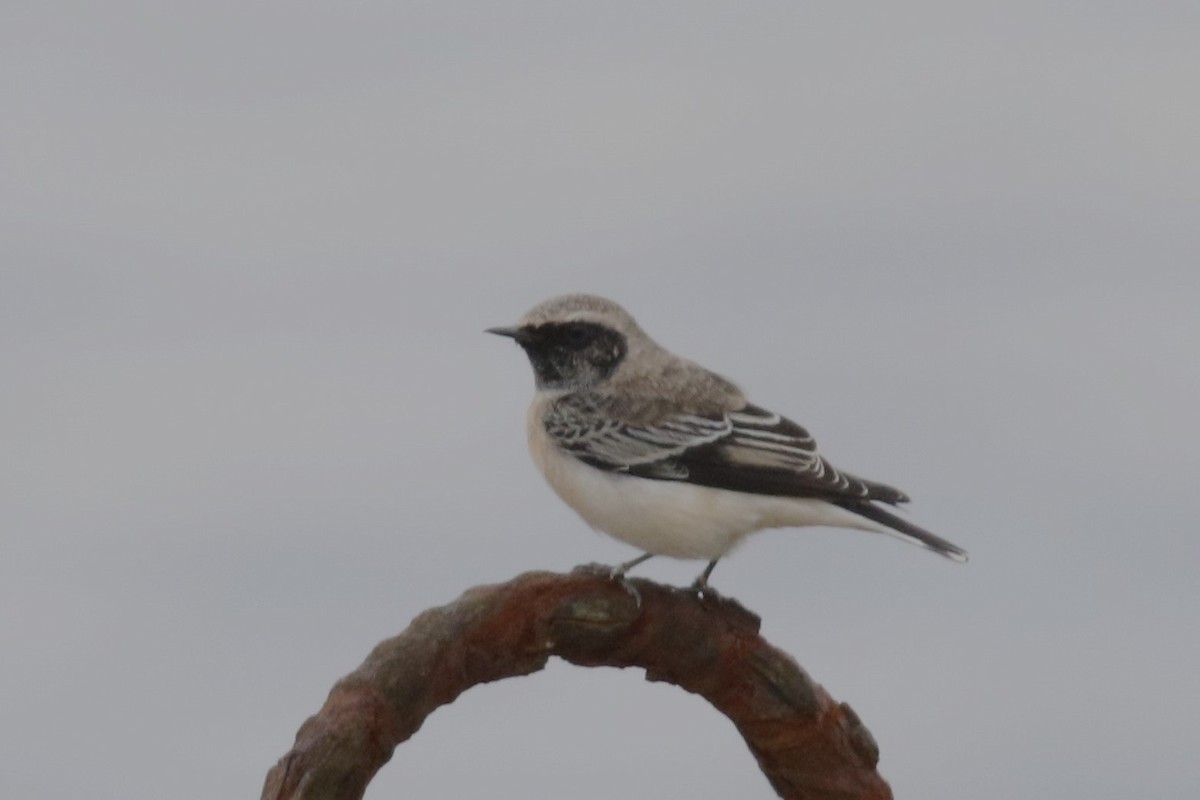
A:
809, 746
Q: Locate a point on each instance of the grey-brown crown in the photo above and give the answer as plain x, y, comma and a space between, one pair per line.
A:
584, 308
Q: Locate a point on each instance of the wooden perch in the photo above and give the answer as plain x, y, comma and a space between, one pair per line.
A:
809, 746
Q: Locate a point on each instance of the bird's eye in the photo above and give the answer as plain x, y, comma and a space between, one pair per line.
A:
575, 336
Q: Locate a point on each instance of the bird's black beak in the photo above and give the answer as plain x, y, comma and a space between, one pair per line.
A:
521, 335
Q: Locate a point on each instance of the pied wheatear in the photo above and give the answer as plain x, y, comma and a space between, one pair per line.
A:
669, 457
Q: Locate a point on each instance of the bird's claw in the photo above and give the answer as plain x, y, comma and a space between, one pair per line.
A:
700, 586
704, 592
617, 574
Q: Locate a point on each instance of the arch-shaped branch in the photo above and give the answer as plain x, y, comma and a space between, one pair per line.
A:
809, 746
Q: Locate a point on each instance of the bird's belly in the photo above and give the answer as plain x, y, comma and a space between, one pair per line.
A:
669, 518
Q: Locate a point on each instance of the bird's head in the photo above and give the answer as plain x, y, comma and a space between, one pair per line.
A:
576, 341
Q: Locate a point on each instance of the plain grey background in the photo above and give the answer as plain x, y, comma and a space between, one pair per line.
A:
251, 425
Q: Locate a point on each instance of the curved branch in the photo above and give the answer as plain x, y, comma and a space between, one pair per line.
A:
809, 746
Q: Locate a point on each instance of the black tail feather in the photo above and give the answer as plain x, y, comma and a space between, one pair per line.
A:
906, 529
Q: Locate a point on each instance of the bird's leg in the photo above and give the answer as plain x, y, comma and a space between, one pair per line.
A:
700, 585
618, 575
618, 572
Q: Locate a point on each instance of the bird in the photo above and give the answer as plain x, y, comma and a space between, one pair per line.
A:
670, 457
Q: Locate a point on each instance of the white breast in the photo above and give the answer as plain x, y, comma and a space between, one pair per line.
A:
671, 518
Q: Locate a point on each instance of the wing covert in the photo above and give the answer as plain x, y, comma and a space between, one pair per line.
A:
748, 450
605, 442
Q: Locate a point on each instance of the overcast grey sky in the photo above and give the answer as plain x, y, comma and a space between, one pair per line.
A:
251, 425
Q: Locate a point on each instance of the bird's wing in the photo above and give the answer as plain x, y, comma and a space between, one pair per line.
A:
747, 450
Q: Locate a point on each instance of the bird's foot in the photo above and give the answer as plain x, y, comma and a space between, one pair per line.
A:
700, 586
615, 574
703, 591
618, 574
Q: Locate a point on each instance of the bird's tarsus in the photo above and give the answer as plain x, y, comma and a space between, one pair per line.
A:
618, 572
700, 585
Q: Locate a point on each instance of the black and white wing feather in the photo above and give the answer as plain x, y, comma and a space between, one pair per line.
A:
647, 450
746, 450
